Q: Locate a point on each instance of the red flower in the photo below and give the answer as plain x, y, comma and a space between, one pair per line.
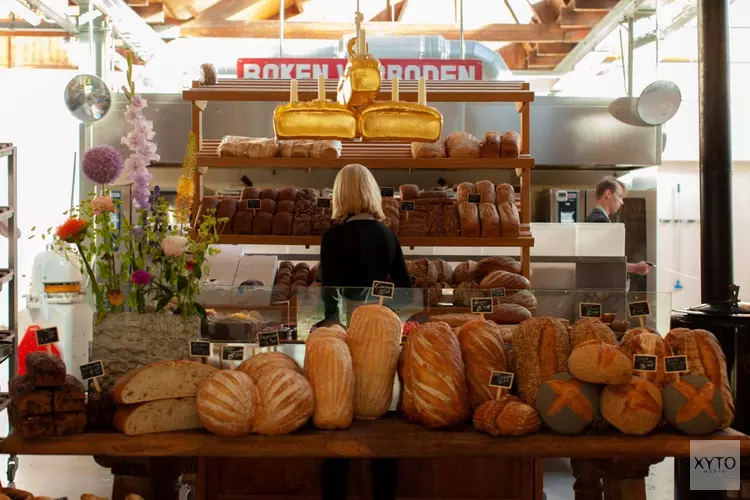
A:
72, 230
190, 265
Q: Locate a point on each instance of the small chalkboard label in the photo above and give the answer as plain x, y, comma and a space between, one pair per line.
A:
507, 346
481, 305
383, 289
638, 309
61, 498
233, 353
268, 339
46, 336
590, 310
501, 379
253, 204
91, 370
475, 198
644, 362
497, 292
413, 280
386, 192
324, 203
407, 206
200, 348
676, 364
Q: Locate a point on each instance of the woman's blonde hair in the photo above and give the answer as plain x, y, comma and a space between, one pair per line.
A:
354, 192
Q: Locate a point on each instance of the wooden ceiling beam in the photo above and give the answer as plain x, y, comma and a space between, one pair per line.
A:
243, 10
550, 49
537, 61
514, 56
574, 18
333, 31
545, 11
154, 13
605, 5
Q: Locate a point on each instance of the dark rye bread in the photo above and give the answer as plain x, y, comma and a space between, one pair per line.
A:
45, 370
27, 399
69, 397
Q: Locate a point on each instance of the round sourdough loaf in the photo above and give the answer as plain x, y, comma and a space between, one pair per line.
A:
482, 351
285, 402
600, 363
328, 366
586, 329
506, 416
504, 279
633, 408
261, 364
694, 405
226, 403
643, 341
566, 404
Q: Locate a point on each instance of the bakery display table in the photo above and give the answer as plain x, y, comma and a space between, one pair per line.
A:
459, 463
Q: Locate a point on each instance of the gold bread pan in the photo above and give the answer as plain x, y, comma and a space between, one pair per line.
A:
361, 82
314, 120
400, 121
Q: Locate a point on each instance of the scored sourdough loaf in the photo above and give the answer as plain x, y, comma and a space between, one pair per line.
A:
507, 416
600, 363
566, 404
335, 332
226, 403
374, 339
541, 348
482, 351
267, 362
161, 380
645, 342
509, 314
328, 366
504, 279
490, 264
705, 358
586, 329
694, 405
454, 320
633, 408
434, 390
164, 415
285, 402
522, 297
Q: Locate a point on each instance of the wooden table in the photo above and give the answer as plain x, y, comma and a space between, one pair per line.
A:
602, 460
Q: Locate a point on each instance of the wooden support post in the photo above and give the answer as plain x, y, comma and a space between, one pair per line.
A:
588, 484
625, 479
197, 127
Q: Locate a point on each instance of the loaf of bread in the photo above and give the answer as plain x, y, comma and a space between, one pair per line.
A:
646, 342
16, 494
454, 320
510, 221
70, 397
469, 216
242, 223
164, 415
269, 194
70, 422
226, 402
504, 279
262, 147
541, 347
288, 194
522, 298
27, 399
566, 404
490, 264
510, 146
208, 206
428, 150
507, 416
282, 224
233, 146
633, 408
226, 210
285, 206
161, 380
490, 145
706, 359
693, 405
434, 385
268, 206
461, 145
328, 366
451, 224
409, 192
328, 149
466, 291
374, 338
249, 193
464, 271
261, 364
424, 271
33, 426
600, 363
263, 223
444, 270
45, 370
487, 190
286, 402
463, 191
489, 220
505, 194
482, 351
509, 314
586, 329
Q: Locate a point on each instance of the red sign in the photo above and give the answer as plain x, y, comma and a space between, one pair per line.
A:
28, 345
403, 69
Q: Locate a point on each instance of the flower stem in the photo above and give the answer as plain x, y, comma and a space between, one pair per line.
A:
94, 285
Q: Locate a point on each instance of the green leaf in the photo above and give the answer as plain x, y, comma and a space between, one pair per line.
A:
163, 302
197, 271
201, 311
182, 284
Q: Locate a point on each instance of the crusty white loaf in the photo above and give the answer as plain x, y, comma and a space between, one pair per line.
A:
433, 381
285, 402
510, 221
226, 403
633, 408
164, 415
586, 329
505, 193
598, 362
506, 416
374, 338
335, 331
267, 362
482, 351
328, 366
461, 145
428, 149
161, 380
645, 342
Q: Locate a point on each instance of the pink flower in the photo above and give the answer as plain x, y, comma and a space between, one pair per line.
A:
102, 204
174, 246
138, 102
140, 277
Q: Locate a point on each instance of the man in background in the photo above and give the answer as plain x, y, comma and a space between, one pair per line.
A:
610, 195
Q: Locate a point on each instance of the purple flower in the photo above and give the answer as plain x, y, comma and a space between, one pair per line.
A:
140, 277
102, 164
137, 231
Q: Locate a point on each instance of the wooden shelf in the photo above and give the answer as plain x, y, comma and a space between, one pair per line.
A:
406, 241
388, 437
373, 155
437, 91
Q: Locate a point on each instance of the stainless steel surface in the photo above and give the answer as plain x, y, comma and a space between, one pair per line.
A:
560, 205
13, 257
87, 98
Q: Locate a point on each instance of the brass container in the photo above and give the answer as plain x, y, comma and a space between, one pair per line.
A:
400, 121
314, 120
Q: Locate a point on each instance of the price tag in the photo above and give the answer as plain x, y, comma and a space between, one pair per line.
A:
383, 289
407, 206
589, 310
501, 379
413, 280
639, 309
200, 348
386, 192
253, 204
676, 364
507, 346
481, 305
644, 362
233, 353
61, 498
268, 339
324, 203
46, 336
95, 369
497, 292
475, 198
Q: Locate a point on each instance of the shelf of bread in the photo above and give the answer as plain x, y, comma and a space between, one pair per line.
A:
373, 155
523, 241
437, 91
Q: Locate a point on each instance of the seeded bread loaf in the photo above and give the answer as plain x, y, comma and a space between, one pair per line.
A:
586, 329
542, 348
